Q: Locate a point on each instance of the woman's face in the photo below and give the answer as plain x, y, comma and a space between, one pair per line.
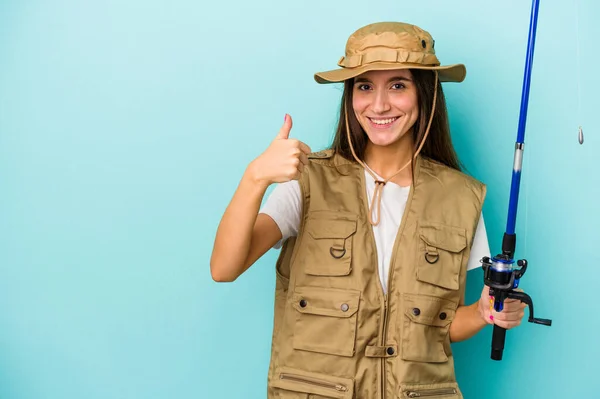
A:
385, 104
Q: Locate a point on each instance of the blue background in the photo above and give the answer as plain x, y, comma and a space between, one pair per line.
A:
125, 127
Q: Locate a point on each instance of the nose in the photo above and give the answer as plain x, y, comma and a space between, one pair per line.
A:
381, 103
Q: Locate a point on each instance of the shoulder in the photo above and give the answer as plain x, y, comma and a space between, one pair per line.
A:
452, 177
328, 157
325, 166
325, 154
443, 171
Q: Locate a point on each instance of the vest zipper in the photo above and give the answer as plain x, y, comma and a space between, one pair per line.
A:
383, 332
313, 381
379, 287
427, 393
391, 274
385, 319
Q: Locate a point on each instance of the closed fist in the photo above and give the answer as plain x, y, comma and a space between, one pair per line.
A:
283, 160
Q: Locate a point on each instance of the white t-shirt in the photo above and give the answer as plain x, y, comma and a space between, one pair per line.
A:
284, 205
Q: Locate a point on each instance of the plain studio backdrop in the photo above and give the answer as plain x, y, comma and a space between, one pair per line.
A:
126, 125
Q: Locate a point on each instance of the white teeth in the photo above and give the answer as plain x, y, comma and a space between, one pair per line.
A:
383, 121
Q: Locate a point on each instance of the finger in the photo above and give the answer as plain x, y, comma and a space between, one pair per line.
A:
507, 324
305, 149
511, 300
513, 307
303, 158
486, 306
509, 316
284, 132
486, 314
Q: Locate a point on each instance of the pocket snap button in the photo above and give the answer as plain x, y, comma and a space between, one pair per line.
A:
303, 303
416, 311
443, 316
390, 351
345, 307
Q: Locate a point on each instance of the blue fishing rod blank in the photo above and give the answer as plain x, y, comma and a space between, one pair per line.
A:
500, 274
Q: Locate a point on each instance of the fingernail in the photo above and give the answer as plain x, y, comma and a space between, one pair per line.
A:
285, 118
491, 318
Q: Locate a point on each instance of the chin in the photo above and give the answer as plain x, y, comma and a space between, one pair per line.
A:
383, 140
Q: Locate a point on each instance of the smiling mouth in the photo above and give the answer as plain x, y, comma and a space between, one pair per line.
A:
380, 122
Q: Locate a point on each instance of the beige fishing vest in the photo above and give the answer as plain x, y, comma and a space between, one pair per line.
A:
336, 335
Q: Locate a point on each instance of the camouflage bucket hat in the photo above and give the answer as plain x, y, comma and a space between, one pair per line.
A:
390, 45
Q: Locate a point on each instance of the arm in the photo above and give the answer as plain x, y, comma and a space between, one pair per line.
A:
244, 235
466, 323
471, 319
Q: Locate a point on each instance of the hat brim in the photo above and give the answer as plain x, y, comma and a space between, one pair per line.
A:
447, 73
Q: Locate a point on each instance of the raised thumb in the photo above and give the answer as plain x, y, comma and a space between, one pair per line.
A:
284, 132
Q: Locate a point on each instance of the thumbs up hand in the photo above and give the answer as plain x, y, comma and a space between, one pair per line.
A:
283, 160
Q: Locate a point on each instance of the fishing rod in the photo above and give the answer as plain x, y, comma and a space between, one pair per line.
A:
500, 273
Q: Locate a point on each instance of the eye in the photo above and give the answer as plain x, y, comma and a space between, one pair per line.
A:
363, 87
398, 86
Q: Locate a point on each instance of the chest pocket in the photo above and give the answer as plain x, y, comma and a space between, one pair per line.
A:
440, 255
328, 245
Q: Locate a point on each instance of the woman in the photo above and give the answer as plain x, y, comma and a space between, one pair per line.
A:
377, 232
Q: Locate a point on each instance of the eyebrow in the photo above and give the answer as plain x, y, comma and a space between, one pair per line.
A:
365, 80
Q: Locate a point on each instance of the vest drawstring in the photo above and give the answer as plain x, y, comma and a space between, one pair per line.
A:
376, 198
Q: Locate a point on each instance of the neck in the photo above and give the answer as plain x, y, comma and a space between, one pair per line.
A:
386, 160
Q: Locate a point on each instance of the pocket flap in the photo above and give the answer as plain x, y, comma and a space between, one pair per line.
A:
429, 310
449, 238
313, 383
331, 228
326, 301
